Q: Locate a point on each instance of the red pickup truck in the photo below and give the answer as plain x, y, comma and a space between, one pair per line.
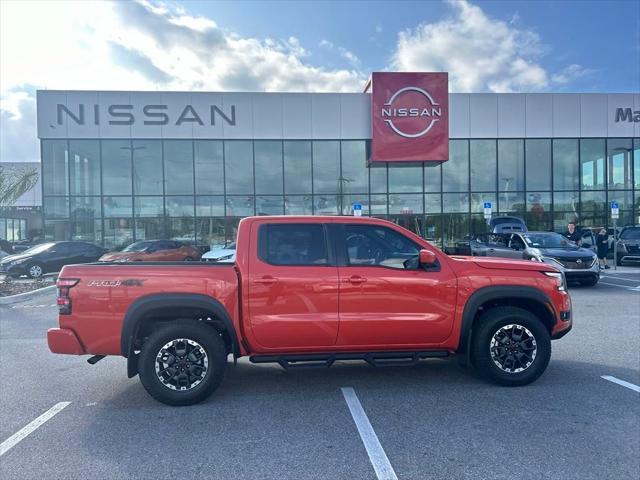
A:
310, 291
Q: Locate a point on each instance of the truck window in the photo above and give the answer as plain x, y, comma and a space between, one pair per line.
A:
292, 244
375, 245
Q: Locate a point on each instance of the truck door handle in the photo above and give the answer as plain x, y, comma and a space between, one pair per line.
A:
355, 279
266, 280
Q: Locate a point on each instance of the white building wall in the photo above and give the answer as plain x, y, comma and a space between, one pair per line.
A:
338, 115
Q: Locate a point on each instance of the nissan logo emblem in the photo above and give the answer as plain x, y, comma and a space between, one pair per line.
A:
432, 114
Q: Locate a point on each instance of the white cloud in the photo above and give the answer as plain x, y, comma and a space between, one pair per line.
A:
139, 46
570, 73
351, 58
480, 52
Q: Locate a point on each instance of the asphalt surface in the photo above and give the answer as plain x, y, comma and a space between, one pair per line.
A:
435, 420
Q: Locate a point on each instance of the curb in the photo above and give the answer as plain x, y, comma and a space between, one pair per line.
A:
25, 296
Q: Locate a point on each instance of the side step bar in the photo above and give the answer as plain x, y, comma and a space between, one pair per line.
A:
325, 360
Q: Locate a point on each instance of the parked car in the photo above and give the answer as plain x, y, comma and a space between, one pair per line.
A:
227, 254
628, 249
307, 292
577, 263
49, 257
507, 224
154, 251
23, 245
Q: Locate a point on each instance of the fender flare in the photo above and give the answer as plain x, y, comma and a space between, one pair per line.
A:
496, 292
139, 308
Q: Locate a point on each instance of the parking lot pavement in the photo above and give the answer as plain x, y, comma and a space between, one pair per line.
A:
435, 420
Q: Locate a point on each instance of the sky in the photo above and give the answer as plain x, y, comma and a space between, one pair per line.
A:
492, 46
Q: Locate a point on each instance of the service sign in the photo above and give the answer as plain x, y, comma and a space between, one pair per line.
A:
410, 117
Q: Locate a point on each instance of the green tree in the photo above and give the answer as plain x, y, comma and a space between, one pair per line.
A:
15, 181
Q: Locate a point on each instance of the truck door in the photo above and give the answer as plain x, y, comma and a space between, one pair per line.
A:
293, 287
385, 300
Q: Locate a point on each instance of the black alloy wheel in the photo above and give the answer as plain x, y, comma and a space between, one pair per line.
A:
182, 362
510, 346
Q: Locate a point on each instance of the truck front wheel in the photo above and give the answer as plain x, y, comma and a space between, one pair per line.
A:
182, 363
511, 346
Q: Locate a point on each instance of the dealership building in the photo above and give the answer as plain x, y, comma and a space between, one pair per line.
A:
123, 166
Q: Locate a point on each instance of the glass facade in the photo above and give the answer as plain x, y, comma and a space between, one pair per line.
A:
113, 192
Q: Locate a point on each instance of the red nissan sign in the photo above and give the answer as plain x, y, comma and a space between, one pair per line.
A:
410, 117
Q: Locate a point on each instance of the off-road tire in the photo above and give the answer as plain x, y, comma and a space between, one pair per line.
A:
488, 325
206, 337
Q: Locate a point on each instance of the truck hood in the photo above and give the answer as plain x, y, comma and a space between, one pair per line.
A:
506, 264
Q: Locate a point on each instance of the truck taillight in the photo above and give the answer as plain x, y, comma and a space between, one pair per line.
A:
64, 301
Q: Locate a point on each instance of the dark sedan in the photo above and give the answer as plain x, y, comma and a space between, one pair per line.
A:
49, 257
629, 245
577, 263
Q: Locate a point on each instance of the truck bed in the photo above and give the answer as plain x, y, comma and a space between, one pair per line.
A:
105, 292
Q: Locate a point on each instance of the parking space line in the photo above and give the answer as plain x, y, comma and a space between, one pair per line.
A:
631, 386
613, 277
21, 434
377, 456
633, 289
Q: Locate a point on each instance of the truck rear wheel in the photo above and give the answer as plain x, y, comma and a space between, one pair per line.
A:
182, 363
511, 346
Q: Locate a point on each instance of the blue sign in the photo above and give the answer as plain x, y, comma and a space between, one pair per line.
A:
614, 205
357, 209
487, 204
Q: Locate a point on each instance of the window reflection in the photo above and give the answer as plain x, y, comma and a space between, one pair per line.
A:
268, 155
208, 166
565, 164
455, 172
116, 167
354, 167
238, 166
619, 151
178, 166
483, 164
147, 167
405, 179
326, 167
297, 167
55, 167
538, 165
510, 165
592, 163
84, 166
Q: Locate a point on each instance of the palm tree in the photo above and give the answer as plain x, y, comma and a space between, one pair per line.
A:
16, 181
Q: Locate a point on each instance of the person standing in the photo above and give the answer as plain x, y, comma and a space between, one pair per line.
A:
602, 241
572, 234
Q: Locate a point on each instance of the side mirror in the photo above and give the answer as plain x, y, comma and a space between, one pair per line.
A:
427, 258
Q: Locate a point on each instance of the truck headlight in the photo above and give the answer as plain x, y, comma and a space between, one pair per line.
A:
560, 280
